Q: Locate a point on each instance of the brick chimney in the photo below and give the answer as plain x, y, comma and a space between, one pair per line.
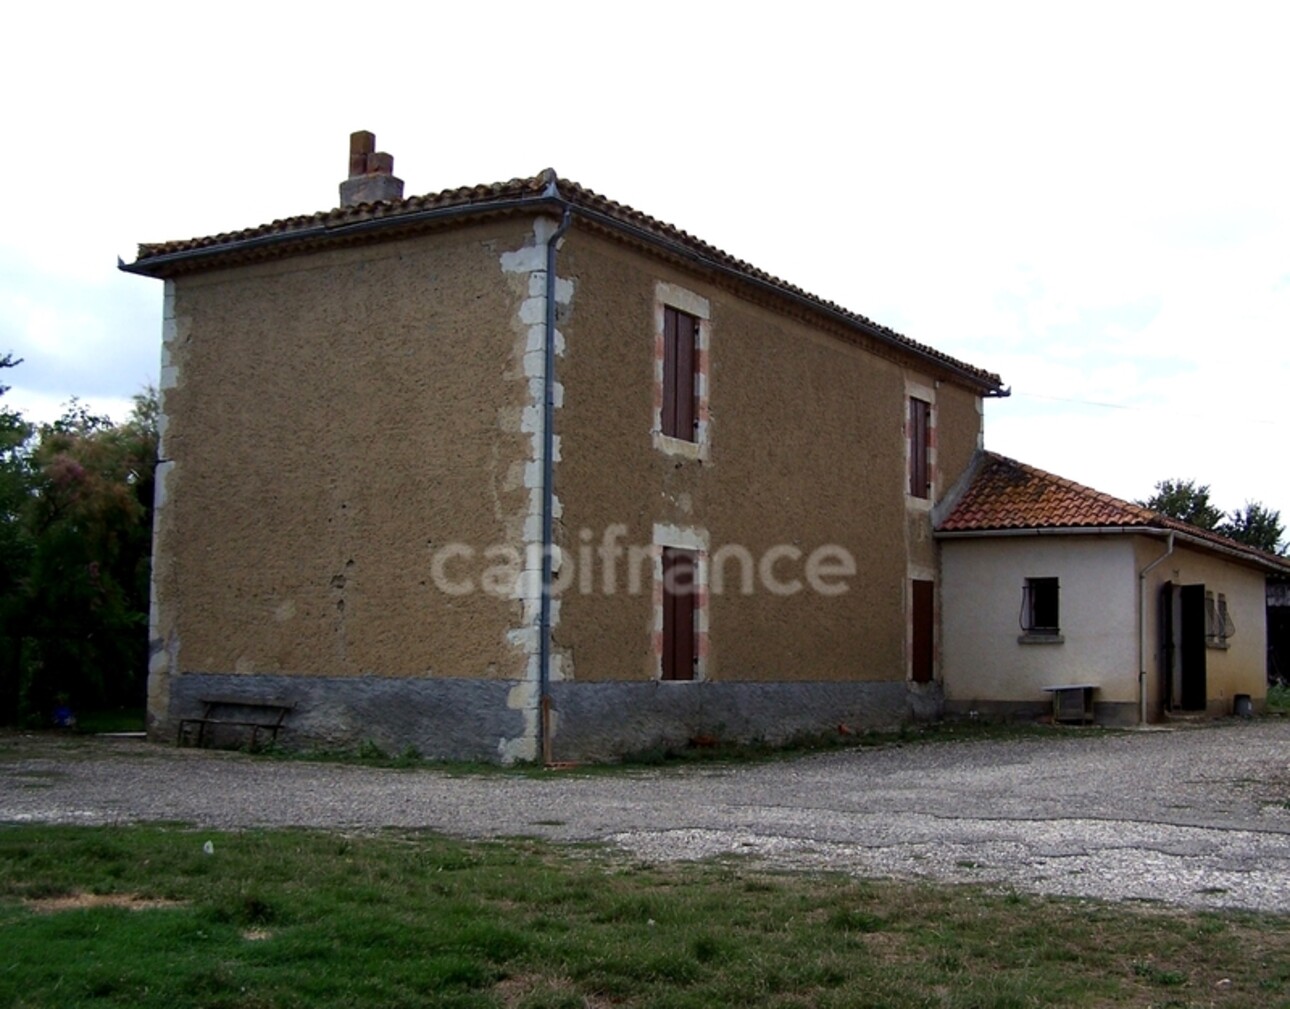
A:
371, 174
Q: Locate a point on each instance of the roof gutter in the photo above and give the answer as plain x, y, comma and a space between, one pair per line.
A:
157, 266
154, 266
1142, 628
973, 534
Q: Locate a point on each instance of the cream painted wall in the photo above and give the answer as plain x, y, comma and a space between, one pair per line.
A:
981, 593
1241, 668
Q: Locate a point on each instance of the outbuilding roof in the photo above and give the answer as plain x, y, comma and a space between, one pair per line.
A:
544, 191
1008, 497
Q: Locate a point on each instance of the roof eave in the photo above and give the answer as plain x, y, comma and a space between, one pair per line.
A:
163, 265
167, 264
1245, 555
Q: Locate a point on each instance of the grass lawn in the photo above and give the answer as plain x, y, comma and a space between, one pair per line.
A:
143, 916
1279, 699
111, 720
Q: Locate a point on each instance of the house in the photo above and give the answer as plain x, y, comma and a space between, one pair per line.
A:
518, 472
1045, 583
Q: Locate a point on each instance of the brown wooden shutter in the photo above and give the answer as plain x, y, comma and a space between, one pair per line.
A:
679, 650
686, 330
924, 629
680, 337
920, 416
669, 371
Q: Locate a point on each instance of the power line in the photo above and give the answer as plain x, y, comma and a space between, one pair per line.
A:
1267, 421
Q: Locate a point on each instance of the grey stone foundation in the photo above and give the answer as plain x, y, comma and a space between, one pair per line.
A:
467, 719
441, 719
602, 721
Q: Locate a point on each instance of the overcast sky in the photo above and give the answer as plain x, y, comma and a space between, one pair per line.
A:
1090, 199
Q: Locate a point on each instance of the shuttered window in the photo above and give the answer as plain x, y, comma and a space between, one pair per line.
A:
680, 338
679, 639
920, 428
1039, 607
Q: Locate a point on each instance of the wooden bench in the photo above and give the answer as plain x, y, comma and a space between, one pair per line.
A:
1072, 702
255, 714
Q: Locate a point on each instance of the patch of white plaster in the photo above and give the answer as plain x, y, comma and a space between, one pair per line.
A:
163, 659
684, 537
679, 297
161, 479
523, 698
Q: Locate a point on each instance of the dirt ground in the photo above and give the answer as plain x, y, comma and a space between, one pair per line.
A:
1195, 816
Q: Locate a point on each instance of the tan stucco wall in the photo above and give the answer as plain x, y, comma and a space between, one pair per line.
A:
1241, 668
333, 419
982, 659
806, 448
958, 435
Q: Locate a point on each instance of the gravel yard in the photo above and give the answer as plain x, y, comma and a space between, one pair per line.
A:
1195, 816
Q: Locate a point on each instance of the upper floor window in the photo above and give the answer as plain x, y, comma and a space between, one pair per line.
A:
682, 424
680, 356
920, 448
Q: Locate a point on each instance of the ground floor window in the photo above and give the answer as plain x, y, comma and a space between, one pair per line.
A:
1040, 607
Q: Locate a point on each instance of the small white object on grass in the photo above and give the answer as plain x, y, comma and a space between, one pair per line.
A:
209, 848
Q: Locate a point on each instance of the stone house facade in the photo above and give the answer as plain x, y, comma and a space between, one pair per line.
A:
515, 472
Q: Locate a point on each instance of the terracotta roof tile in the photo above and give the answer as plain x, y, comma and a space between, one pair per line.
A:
463, 196
330, 227
1008, 495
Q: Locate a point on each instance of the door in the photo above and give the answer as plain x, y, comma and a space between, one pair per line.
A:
1191, 647
1168, 649
923, 646
679, 652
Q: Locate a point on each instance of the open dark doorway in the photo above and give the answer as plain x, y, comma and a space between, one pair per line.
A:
922, 656
1191, 648
1182, 647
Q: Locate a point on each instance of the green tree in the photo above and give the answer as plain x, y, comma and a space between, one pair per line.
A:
1185, 501
89, 517
15, 549
1255, 526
